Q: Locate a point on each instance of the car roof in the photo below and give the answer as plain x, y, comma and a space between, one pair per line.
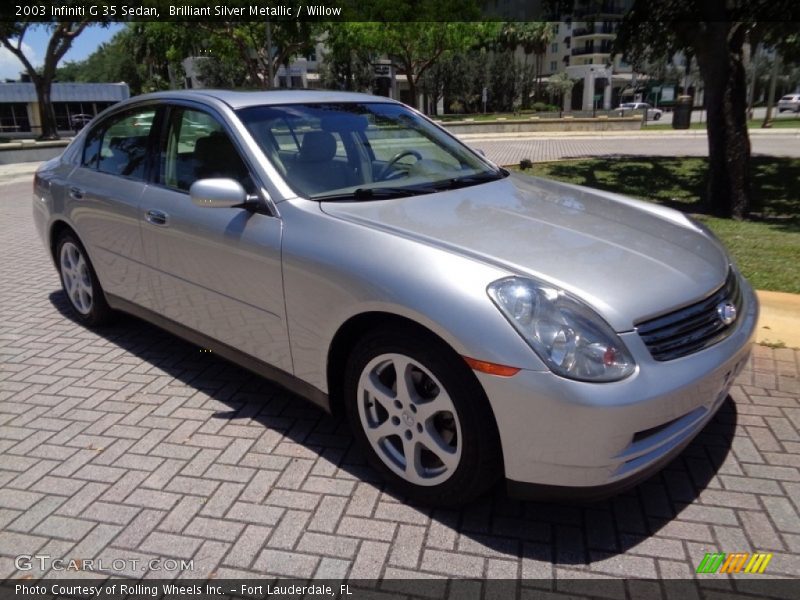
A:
242, 99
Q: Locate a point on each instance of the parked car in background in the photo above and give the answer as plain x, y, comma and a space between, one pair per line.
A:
789, 102
79, 121
472, 324
626, 108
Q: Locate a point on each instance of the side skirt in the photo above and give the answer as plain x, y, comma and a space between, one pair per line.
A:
259, 367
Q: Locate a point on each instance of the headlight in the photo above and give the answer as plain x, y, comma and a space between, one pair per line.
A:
567, 335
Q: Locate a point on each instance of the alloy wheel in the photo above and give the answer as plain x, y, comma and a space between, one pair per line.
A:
76, 278
409, 419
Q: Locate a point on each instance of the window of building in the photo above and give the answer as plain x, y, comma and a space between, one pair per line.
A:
70, 114
14, 117
554, 47
553, 66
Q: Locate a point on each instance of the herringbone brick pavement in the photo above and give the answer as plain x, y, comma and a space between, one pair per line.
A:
130, 443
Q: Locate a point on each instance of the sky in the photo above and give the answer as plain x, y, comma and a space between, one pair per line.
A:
34, 45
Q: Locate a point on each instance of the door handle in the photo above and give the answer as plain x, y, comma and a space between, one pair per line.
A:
76, 193
156, 217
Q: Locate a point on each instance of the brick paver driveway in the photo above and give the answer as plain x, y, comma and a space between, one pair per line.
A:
130, 443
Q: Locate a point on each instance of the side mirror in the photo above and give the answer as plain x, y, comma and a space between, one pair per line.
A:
217, 193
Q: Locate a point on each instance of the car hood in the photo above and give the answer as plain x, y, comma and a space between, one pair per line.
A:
630, 260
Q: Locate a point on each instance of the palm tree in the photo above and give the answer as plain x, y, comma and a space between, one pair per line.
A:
535, 37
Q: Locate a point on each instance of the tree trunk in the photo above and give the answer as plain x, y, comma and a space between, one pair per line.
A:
47, 114
728, 143
412, 88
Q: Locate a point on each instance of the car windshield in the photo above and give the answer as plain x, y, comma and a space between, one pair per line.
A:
362, 151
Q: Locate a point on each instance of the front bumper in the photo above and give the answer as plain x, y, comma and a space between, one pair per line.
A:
593, 439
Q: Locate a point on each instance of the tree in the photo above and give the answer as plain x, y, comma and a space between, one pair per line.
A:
245, 43
113, 61
345, 64
560, 85
535, 39
784, 40
415, 35
415, 46
62, 34
714, 32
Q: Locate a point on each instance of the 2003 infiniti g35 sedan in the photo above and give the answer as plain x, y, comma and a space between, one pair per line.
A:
472, 324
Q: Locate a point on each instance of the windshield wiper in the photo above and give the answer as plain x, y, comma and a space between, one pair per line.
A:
468, 180
380, 193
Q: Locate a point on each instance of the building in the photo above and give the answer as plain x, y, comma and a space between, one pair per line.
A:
19, 105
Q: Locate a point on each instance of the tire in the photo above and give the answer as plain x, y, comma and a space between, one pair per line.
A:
442, 417
79, 280
656, 116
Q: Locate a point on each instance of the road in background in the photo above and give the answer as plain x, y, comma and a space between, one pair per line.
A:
509, 149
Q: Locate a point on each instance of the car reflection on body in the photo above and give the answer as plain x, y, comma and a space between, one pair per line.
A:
472, 324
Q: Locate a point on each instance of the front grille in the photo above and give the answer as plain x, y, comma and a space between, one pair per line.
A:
692, 328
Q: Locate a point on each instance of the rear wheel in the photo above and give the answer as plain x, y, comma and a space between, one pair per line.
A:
80, 282
421, 417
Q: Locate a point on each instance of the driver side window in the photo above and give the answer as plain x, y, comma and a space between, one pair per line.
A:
197, 147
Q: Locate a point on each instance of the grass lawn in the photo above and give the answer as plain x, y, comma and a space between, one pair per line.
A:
766, 249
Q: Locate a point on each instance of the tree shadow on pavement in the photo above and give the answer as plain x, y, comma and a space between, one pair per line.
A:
543, 534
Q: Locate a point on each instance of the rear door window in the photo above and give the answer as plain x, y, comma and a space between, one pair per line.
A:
119, 145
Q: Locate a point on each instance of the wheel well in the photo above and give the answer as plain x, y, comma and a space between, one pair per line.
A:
56, 230
348, 336
345, 340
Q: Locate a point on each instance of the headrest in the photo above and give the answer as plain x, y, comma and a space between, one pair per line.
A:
343, 122
317, 146
216, 143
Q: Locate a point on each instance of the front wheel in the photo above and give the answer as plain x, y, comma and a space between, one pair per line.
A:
80, 282
421, 417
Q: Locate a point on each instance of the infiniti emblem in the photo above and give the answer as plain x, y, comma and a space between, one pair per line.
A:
726, 312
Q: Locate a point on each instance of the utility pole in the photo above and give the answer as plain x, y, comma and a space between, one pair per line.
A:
270, 74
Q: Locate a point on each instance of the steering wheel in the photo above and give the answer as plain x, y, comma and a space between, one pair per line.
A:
390, 165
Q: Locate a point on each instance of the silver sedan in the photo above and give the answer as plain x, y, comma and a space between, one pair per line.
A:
473, 325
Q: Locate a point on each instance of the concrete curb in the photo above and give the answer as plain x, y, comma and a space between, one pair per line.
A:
779, 322
18, 171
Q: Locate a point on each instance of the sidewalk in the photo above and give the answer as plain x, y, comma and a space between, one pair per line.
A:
17, 171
